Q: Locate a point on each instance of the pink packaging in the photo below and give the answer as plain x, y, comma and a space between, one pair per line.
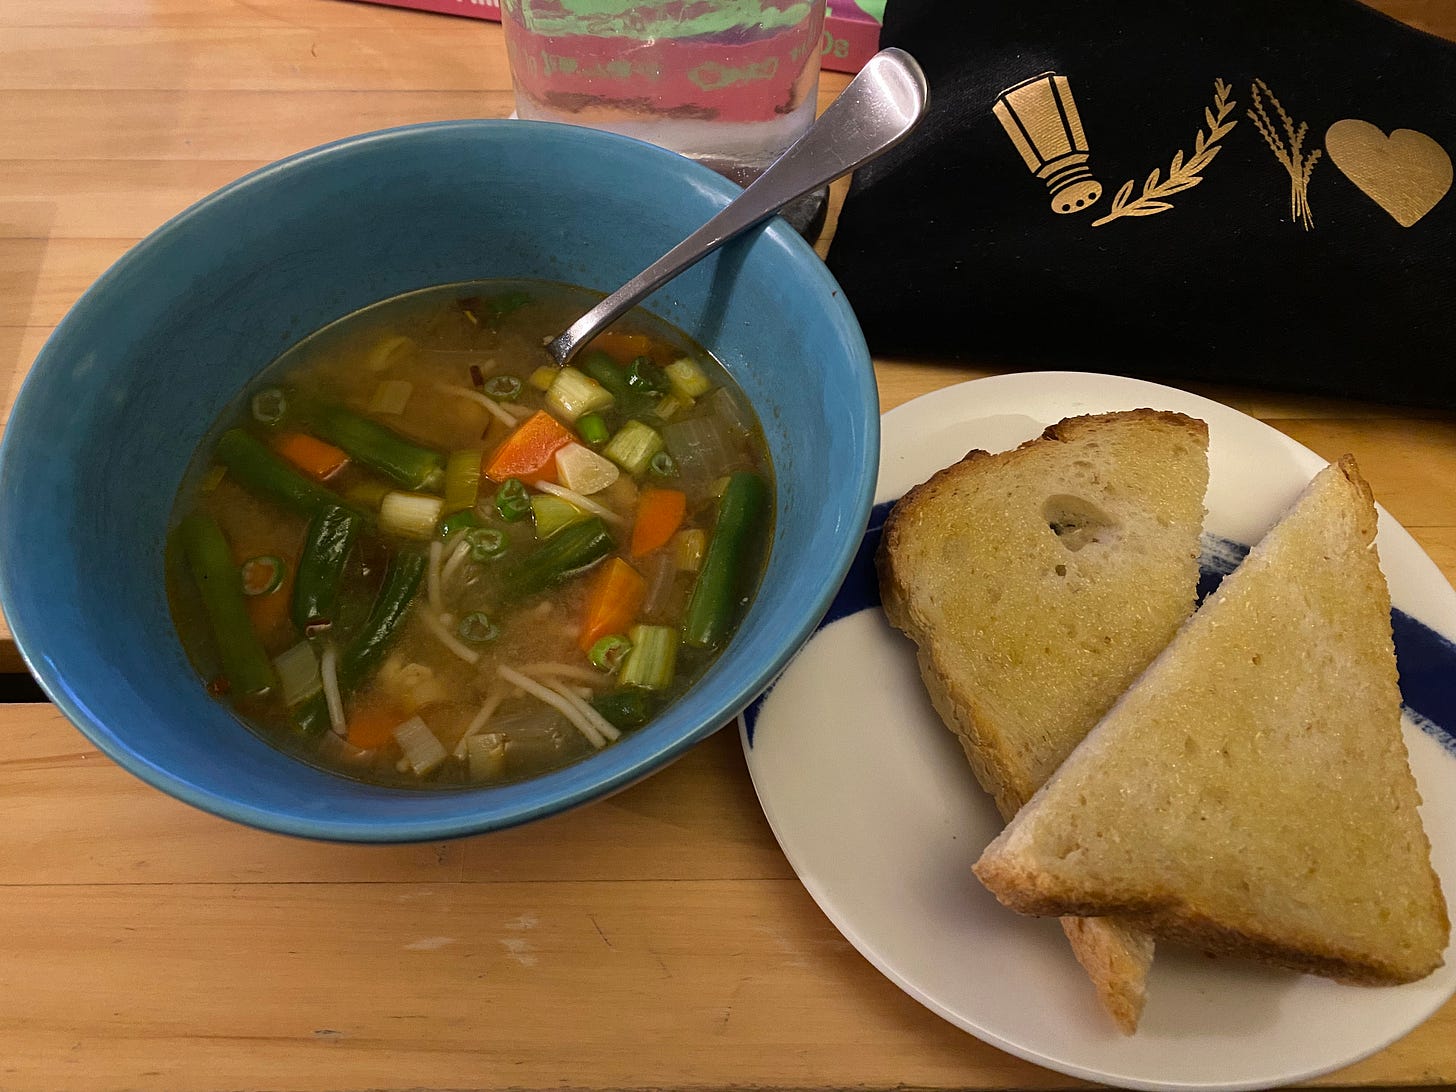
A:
851, 27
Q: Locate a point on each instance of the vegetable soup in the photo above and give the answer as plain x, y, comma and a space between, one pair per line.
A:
421, 554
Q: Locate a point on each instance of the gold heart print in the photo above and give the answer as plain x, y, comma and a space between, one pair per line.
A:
1406, 173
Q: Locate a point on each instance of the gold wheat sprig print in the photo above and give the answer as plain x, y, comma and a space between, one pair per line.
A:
1183, 174
1292, 156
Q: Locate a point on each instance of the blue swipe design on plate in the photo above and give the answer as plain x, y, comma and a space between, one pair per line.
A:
1425, 659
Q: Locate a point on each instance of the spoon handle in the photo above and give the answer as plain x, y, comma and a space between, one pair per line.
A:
870, 116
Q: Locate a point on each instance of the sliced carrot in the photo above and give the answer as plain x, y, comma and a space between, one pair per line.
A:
310, 454
527, 452
612, 603
372, 725
622, 347
660, 513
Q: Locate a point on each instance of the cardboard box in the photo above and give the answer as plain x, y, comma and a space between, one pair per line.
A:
851, 27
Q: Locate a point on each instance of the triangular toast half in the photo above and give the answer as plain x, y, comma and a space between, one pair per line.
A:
1037, 584
1251, 793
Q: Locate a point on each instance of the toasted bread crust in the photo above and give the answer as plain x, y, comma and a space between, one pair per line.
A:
1107, 461
1266, 742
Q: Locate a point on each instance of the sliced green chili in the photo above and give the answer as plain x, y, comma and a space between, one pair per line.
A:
512, 501
503, 388
486, 543
609, 652
477, 628
269, 406
262, 574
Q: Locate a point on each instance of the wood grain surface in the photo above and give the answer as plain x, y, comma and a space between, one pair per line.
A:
655, 940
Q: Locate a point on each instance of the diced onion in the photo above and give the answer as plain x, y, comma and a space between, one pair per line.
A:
422, 750
298, 673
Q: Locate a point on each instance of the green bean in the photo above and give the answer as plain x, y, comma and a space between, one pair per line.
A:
363, 654
730, 563
630, 400
259, 469
245, 664
377, 447
331, 535
569, 551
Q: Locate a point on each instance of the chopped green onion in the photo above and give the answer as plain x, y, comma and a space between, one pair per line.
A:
512, 500
573, 393
413, 515
391, 396
422, 750
687, 379
477, 628
688, 548
593, 429
462, 479
551, 514
458, 521
653, 658
609, 652
663, 465
633, 446
262, 574
543, 377
486, 543
584, 471
503, 388
298, 673
486, 754
269, 406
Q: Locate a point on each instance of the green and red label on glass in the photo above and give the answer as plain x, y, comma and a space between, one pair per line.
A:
734, 61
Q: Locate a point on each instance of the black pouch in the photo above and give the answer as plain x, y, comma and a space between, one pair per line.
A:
1239, 192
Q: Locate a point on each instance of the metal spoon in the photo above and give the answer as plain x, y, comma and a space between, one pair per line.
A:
869, 117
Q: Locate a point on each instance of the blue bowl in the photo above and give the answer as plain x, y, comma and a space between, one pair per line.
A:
125, 389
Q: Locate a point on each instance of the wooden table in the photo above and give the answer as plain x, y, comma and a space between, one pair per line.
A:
658, 939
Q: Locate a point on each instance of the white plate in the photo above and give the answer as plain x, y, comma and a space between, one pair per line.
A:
877, 810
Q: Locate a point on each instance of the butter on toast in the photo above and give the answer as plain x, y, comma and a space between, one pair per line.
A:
1037, 584
1251, 793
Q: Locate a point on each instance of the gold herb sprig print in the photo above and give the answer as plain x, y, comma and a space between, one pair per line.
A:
1182, 174
1291, 156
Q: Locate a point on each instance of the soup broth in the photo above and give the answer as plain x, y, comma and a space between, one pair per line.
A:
420, 554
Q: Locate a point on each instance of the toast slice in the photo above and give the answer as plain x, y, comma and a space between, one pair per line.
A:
1037, 584
1251, 794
